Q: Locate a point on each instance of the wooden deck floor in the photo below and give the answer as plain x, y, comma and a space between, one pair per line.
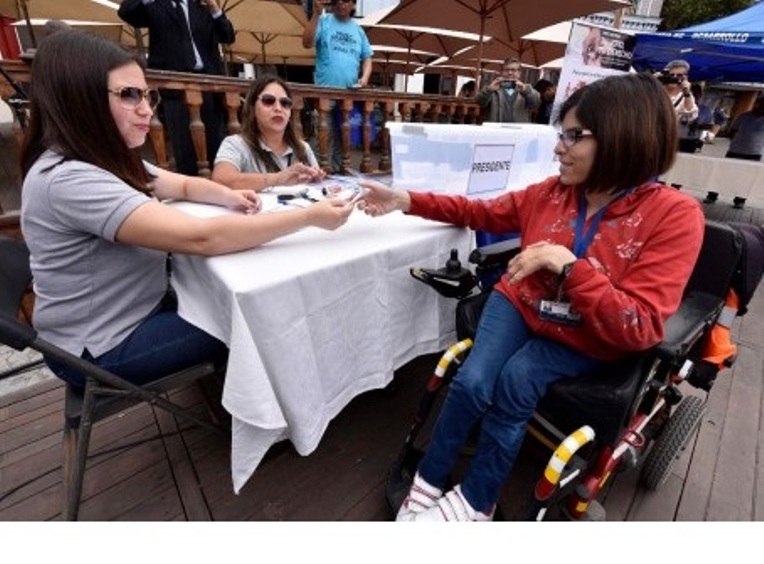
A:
169, 475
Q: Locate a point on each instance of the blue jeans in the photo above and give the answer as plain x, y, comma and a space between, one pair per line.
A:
504, 377
162, 344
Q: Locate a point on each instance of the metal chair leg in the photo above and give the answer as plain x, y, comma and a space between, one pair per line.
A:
76, 445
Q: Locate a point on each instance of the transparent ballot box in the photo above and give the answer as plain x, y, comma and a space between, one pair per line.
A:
480, 161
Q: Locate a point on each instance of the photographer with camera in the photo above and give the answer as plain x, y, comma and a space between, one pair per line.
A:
506, 98
674, 78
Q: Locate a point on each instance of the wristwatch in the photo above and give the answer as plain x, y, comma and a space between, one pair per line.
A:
565, 271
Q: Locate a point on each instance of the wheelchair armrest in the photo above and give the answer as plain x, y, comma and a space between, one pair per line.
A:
496, 253
15, 334
696, 313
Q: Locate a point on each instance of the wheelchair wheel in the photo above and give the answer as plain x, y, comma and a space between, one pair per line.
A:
672, 441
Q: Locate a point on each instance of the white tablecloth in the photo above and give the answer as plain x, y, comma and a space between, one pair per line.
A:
314, 319
728, 177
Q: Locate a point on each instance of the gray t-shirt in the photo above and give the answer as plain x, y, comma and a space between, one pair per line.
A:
235, 150
90, 291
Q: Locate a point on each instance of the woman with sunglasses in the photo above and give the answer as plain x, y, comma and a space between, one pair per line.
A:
606, 254
268, 151
97, 231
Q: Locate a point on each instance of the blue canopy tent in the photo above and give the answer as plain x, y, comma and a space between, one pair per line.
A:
730, 49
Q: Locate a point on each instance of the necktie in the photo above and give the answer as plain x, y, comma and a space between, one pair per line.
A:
187, 47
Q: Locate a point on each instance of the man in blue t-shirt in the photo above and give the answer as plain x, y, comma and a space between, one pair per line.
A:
342, 53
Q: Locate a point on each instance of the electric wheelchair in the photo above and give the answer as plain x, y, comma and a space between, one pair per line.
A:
629, 413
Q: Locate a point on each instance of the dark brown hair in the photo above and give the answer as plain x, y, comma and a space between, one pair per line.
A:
250, 129
69, 110
635, 127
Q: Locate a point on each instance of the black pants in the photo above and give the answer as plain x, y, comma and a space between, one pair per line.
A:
177, 120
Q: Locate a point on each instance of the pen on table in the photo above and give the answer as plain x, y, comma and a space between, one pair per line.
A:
300, 201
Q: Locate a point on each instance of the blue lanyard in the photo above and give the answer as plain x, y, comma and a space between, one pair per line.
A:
583, 240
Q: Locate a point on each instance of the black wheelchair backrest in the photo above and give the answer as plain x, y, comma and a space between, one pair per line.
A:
718, 261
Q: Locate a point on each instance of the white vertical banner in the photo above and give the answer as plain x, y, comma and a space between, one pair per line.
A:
593, 52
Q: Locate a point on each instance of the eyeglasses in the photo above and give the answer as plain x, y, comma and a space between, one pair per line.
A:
130, 97
511, 69
572, 136
269, 99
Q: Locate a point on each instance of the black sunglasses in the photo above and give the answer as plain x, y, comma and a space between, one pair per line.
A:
130, 97
269, 99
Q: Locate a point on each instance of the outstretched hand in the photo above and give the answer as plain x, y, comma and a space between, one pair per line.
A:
379, 199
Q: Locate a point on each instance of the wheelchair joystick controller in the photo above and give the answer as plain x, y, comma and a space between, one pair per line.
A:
453, 264
451, 281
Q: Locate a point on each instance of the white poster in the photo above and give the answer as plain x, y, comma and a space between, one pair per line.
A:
593, 52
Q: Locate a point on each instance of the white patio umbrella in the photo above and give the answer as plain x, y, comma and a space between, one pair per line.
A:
443, 43
265, 16
114, 31
267, 32
104, 11
263, 47
528, 52
390, 60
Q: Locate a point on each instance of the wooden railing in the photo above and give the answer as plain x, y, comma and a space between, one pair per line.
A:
377, 105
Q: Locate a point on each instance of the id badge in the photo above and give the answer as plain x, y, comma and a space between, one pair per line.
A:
558, 312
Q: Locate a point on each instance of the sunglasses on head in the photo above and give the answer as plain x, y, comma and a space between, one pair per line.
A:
269, 99
130, 97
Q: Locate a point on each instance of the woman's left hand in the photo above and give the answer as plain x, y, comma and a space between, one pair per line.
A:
537, 256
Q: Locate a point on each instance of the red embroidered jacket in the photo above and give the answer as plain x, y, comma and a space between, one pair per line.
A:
634, 271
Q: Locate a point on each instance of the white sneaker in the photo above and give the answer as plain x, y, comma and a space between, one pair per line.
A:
452, 507
422, 496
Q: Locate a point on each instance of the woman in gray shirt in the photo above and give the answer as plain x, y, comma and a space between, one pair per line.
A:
92, 216
268, 151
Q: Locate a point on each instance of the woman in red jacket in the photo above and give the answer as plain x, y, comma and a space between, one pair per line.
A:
606, 254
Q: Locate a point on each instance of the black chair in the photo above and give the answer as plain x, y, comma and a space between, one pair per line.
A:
15, 279
105, 394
